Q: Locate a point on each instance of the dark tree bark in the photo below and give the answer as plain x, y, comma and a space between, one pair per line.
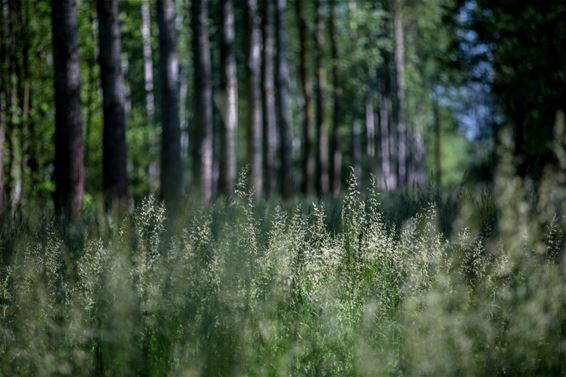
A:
3, 90
268, 101
2, 128
229, 82
69, 150
2, 111
282, 98
335, 152
172, 171
112, 82
309, 156
255, 119
202, 138
322, 184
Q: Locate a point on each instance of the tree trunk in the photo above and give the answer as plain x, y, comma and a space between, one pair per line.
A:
2, 128
112, 82
28, 158
356, 142
14, 129
91, 83
69, 171
371, 136
152, 168
322, 184
387, 180
255, 119
3, 91
308, 163
335, 152
386, 129
147, 61
437, 145
181, 24
229, 82
282, 98
399, 107
202, 138
268, 100
420, 155
3, 83
172, 171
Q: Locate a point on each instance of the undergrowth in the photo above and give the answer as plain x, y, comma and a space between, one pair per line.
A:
241, 289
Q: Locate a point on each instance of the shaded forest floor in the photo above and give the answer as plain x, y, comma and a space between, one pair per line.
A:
414, 283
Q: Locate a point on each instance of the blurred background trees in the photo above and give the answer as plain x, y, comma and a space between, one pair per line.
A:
176, 96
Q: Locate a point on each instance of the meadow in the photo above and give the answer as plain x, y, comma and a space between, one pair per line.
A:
245, 288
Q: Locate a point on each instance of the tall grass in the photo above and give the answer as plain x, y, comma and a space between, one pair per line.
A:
240, 289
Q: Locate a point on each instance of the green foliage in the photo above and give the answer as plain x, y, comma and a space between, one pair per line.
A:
240, 288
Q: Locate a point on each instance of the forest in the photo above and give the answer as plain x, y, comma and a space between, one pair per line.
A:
282, 187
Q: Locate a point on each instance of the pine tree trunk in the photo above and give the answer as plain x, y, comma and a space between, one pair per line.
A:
420, 156
181, 22
113, 92
172, 171
202, 138
371, 136
282, 98
28, 158
69, 171
14, 129
385, 135
399, 106
3, 90
255, 117
268, 100
147, 61
387, 181
2, 128
229, 82
152, 168
91, 83
2, 106
309, 156
335, 152
356, 142
437, 145
322, 184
